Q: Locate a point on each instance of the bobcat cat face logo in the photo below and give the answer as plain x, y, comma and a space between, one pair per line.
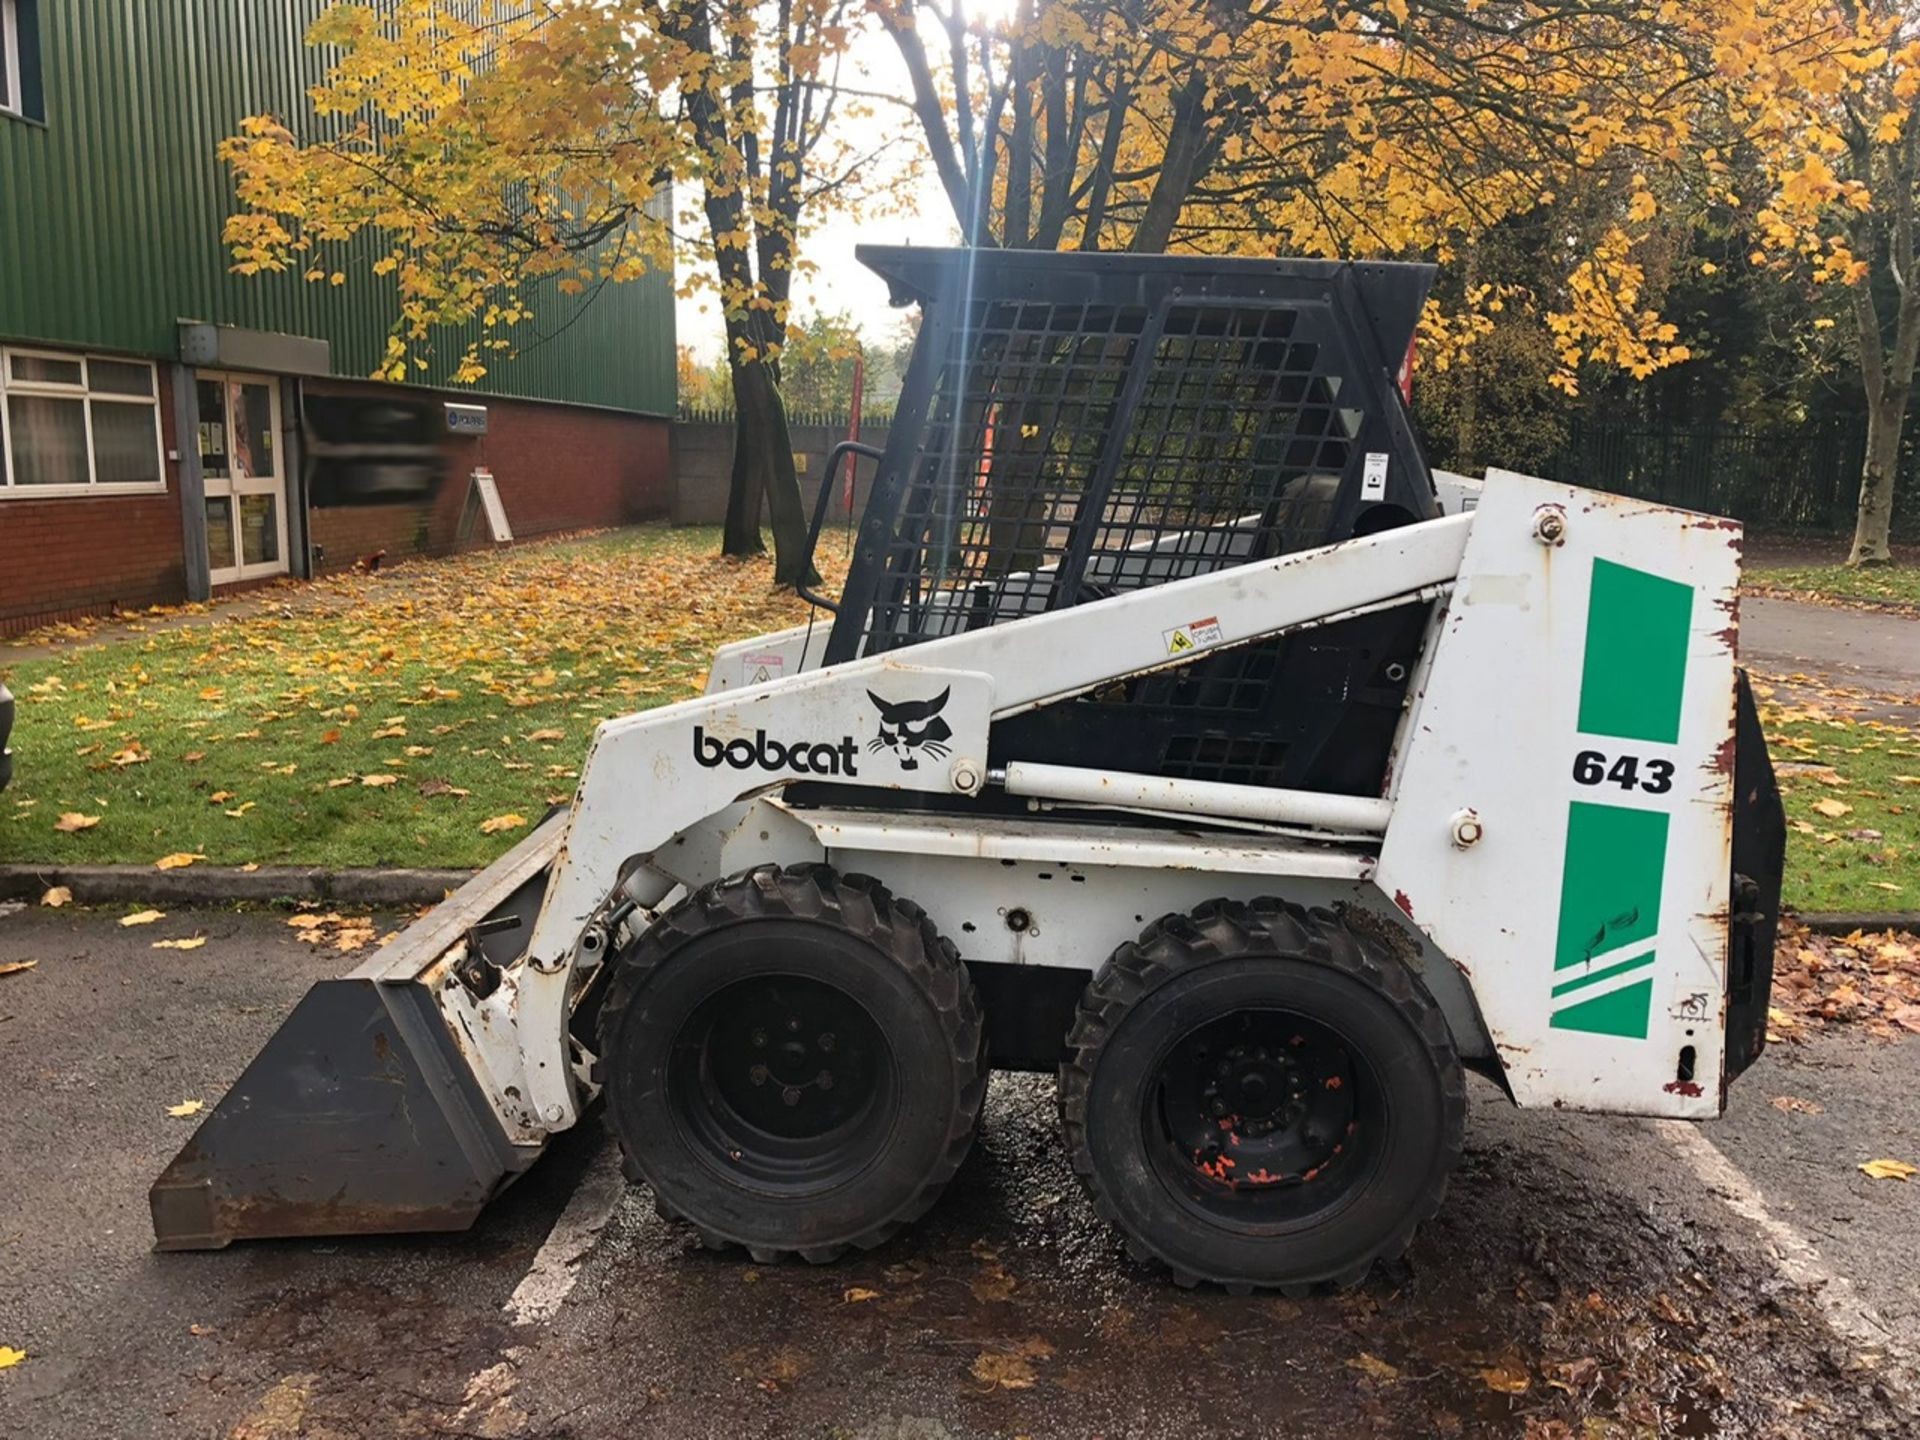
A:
912, 728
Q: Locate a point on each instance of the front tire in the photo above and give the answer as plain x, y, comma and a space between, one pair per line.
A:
1257, 1099
793, 1061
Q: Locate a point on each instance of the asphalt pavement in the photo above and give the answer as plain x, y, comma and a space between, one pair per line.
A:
1581, 1269
1872, 655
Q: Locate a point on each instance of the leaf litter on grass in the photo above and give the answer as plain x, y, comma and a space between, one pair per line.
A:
454, 677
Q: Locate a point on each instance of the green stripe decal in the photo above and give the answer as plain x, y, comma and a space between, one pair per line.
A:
1636, 658
1622, 1012
1610, 886
1605, 972
1609, 898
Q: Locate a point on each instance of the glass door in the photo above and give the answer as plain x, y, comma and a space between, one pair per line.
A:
244, 475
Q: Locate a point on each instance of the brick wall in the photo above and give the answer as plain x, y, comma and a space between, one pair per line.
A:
62, 558
558, 468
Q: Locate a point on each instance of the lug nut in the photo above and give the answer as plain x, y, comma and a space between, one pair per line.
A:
759, 1039
827, 1041
790, 1095
824, 1079
758, 1074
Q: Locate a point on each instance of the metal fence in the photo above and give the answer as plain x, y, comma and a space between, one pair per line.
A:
1802, 478
1796, 478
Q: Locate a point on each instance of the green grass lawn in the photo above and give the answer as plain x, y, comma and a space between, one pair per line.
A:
1867, 855
373, 719
1879, 584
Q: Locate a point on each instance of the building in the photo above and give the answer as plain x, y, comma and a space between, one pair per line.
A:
169, 430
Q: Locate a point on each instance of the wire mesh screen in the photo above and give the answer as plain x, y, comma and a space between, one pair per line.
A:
1073, 451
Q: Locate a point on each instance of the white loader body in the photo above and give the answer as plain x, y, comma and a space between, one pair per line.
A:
1552, 847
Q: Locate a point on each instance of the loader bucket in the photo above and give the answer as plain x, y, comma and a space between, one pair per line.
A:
361, 1116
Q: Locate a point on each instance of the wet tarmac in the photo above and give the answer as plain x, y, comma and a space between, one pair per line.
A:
1579, 1281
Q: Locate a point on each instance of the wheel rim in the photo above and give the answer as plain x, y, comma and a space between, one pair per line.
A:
1263, 1119
783, 1081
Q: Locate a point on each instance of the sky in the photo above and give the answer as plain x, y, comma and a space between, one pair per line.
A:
923, 216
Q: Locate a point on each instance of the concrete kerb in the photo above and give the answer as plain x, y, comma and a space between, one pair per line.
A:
400, 888
224, 885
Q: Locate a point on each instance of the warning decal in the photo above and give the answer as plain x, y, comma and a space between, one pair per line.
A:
758, 669
1194, 635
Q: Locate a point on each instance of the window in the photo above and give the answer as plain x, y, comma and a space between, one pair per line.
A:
10, 57
77, 425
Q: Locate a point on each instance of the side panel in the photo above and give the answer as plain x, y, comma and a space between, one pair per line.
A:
1581, 705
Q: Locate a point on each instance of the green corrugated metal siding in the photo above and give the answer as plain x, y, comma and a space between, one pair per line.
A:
110, 214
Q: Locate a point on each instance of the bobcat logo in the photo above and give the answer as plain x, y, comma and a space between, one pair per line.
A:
911, 728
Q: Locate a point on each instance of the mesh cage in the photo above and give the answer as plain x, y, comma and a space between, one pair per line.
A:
1076, 426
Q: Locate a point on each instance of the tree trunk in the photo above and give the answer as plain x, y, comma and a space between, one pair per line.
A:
1873, 527
744, 491
763, 467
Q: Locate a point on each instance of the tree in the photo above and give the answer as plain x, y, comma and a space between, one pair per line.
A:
817, 363
484, 150
1842, 156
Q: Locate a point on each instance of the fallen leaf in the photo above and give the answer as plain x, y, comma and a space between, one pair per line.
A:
15, 967
186, 1108
192, 943
131, 755
994, 1284
441, 787
330, 737
220, 797
855, 1295
73, 820
1374, 1368
1004, 1372
307, 922
10, 1357
540, 736
502, 822
1888, 1170
57, 896
249, 867
336, 784
379, 782
1507, 1379
1833, 809
143, 917
1794, 1105
179, 860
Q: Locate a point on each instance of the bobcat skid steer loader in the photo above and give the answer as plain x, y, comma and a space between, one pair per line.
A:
1175, 730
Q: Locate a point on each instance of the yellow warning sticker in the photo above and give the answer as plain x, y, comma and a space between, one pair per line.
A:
1194, 635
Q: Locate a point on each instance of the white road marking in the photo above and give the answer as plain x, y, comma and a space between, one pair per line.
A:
549, 1280
1794, 1256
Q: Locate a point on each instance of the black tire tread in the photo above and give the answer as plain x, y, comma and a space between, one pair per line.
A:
1225, 929
863, 907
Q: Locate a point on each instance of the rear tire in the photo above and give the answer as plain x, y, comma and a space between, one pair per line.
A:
1257, 1099
793, 1061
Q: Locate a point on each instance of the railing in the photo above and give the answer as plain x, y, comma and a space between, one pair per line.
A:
1803, 477
832, 420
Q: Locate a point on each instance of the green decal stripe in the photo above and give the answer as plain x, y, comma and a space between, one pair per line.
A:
1636, 658
1623, 1012
1610, 883
1580, 982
